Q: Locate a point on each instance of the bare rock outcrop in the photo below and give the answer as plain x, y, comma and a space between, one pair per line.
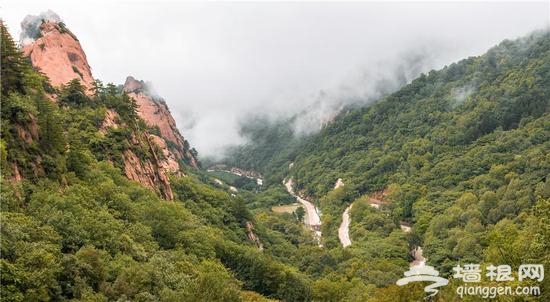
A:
55, 50
154, 111
169, 161
148, 174
57, 53
252, 236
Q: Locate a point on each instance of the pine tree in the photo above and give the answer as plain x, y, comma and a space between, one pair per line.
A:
12, 63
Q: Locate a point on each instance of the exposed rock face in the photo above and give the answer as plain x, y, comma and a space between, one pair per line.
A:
16, 175
111, 120
154, 111
339, 183
153, 171
57, 53
169, 162
148, 173
252, 236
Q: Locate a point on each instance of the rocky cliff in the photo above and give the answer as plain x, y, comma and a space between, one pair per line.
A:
55, 50
154, 111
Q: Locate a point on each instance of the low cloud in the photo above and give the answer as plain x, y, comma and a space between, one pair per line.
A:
30, 26
370, 84
217, 64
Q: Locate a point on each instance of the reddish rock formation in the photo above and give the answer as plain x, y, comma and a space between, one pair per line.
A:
165, 156
155, 113
111, 120
169, 162
152, 172
16, 175
148, 173
57, 53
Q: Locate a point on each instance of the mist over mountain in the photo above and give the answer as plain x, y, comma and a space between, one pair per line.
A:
219, 63
360, 155
30, 26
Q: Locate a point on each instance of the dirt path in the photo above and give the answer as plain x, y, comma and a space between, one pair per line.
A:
343, 230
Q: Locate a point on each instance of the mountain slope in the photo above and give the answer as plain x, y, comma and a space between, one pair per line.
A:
74, 227
56, 52
156, 114
462, 155
444, 112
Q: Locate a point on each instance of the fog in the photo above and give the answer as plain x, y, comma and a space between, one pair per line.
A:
217, 63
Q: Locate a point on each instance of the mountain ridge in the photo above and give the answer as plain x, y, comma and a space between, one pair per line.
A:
460, 156
56, 52
462, 152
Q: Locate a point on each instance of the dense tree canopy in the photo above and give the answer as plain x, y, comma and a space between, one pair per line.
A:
461, 155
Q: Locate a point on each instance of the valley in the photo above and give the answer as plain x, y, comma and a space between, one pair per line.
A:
105, 199
431, 182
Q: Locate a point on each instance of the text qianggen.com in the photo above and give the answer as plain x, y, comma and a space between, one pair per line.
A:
493, 291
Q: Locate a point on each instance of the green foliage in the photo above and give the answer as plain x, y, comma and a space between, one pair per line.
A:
241, 182
74, 94
75, 228
101, 237
264, 275
300, 213
268, 197
463, 152
30, 258
272, 146
13, 65
75, 69
51, 136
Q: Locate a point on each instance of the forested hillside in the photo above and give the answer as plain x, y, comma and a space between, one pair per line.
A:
270, 148
74, 227
457, 110
460, 154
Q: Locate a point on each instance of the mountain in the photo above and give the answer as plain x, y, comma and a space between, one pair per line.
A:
452, 168
85, 176
154, 111
458, 158
56, 52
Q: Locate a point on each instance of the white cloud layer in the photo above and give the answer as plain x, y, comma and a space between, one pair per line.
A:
217, 62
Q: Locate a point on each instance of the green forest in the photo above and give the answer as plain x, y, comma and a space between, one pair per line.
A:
463, 154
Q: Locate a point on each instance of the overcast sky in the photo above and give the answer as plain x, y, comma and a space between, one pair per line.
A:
217, 62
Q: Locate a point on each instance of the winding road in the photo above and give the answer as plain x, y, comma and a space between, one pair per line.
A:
343, 230
313, 221
312, 218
